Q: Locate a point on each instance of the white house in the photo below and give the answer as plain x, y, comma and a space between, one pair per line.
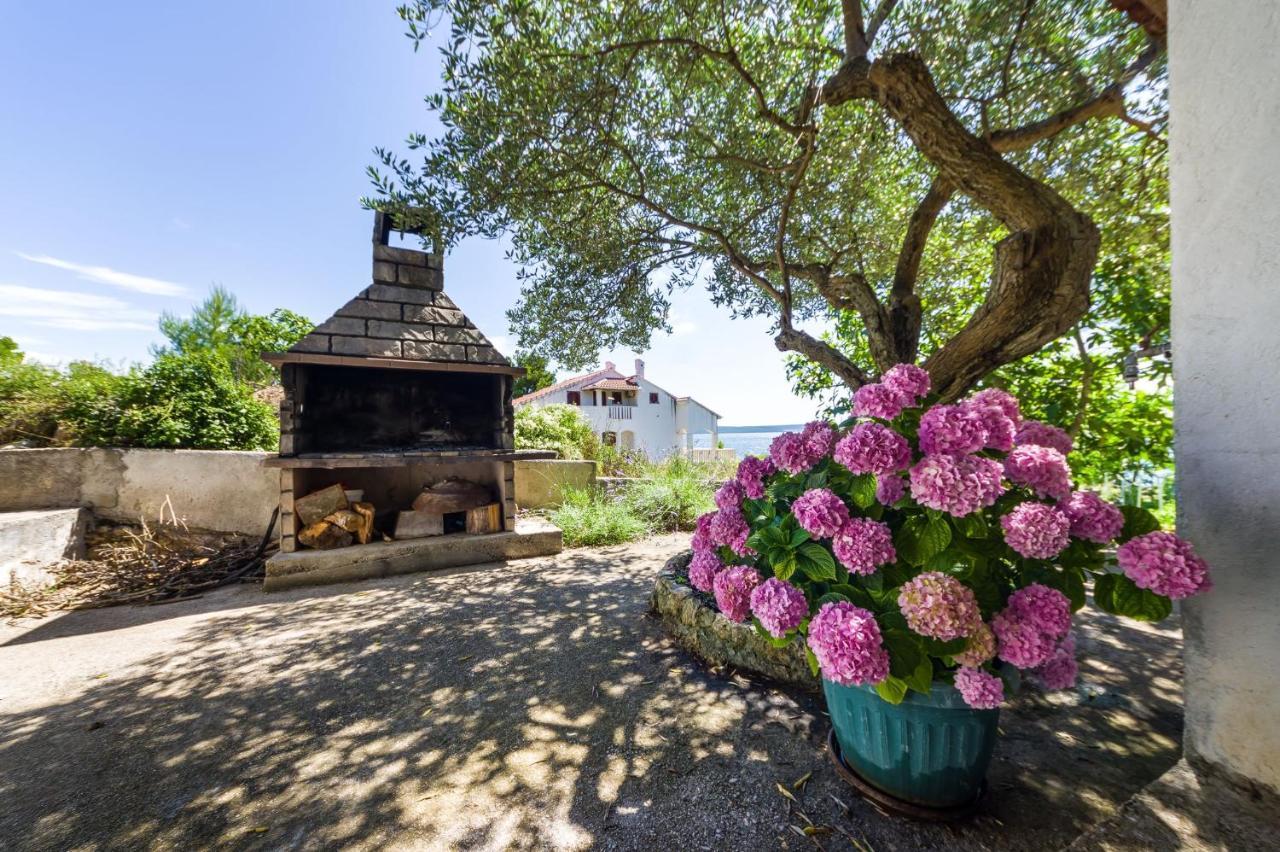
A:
631, 412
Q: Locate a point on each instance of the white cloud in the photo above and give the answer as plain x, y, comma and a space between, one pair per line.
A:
72, 311
114, 277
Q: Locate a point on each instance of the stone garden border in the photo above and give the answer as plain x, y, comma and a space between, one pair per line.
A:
691, 619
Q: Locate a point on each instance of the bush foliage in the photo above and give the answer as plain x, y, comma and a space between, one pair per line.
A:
556, 427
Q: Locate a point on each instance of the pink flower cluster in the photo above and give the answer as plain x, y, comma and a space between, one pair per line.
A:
957, 485
1029, 627
733, 587
820, 512
1060, 670
1042, 469
847, 642
1033, 432
819, 439
752, 472
796, 452
701, 539
730, 496
862, 545
981, 647
729, 529
889, 489
1092, 518
873, 448
703, 569
1036, 530
980, 689
1165, 564
779, 606
900, 387
939, 605
952, 429
999, 413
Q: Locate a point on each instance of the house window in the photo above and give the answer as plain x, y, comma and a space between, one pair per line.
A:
609, 439
653, 398
575, 397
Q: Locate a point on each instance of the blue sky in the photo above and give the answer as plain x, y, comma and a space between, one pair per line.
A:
151, 150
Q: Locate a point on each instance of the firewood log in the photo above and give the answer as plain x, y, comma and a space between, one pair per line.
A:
315, 506
365, 511
324, 536
485, 519
453, 495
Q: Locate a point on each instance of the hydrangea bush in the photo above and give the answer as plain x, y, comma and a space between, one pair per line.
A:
931, 543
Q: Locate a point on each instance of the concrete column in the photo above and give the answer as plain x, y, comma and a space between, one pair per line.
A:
1225, 175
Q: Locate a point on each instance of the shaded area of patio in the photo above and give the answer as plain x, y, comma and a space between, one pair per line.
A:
528, 705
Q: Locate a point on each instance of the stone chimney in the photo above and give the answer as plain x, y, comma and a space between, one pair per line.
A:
639, 369
608, 365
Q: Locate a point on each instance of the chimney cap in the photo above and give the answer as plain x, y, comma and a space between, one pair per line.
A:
384, 222
609, 365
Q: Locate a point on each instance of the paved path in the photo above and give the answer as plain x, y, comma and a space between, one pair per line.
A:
530, 705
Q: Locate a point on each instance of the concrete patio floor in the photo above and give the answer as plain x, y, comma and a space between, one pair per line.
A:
528, 705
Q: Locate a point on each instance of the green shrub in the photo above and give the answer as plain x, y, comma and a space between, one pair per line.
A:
671, 495
591, 518
562, 428
192, 401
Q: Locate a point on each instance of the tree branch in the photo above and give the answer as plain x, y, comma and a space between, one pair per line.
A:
878, 17
790, 339
855, 38
905, 311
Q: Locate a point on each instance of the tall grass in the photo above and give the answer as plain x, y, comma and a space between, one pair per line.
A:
590, 518
671, 496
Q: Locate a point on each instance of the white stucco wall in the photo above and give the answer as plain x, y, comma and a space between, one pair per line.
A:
1225, 143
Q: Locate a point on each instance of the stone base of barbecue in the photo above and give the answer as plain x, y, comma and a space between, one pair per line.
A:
531, 537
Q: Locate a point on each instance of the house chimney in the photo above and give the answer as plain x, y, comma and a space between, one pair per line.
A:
639, 369
608, 365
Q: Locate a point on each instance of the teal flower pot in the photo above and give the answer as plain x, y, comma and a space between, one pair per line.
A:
931, 750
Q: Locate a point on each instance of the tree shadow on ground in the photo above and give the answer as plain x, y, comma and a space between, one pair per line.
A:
531, 705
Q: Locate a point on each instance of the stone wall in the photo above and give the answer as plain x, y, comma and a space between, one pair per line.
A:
540, 484
703, 631
225, 491
1226, 350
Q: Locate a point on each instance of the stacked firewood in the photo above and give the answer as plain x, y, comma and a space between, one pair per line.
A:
450, 497
332, 520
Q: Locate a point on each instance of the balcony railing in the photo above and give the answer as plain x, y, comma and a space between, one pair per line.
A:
620, 412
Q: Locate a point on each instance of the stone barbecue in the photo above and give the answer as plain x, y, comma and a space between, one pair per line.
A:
396, 421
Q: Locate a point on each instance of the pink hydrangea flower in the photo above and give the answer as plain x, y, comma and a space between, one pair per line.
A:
1001, 399
981, 647
733, 587
995, 419
1092, 518
729, 529
980, 689
1046, 609
939, 605
819, 437
780, 606
702, 539
863, 545
703, 569
957, 485
847, 642
1033, 432
952, 429
889, 489
789, 452
878, 400
752, 472
1165, 564
1036, 530
908, 381
820, 512
1060, 670
873, 448
1020, 641
1042, 469
730, 495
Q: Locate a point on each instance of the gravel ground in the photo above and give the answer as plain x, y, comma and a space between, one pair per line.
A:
528, 705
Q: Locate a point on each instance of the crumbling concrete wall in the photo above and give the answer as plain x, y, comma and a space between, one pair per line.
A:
226, 491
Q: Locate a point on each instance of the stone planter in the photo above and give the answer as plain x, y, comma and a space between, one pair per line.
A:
931, 750
691, 619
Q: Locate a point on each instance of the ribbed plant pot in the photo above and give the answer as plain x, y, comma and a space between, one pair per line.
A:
931, 750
